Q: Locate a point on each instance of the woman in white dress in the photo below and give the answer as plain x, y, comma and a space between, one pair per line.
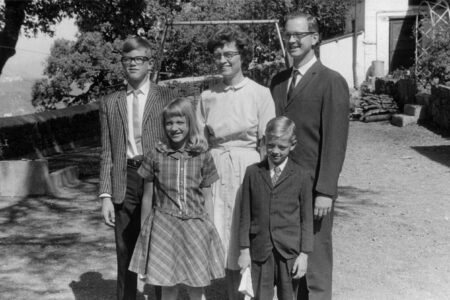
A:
234, 114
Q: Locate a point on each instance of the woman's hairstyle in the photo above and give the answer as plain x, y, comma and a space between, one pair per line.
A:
136, 42
281, 126
228, 35
183, 107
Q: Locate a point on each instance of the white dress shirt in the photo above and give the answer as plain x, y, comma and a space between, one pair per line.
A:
272, 167
142, 94
302, 71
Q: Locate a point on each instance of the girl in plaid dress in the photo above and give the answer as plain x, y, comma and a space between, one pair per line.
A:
178, 243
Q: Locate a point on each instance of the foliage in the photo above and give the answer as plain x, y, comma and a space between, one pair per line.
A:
185, 50
89, 64
93, 68
331, 14
435, 65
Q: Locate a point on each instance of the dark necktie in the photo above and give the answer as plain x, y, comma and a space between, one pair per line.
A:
276, 175
295, 74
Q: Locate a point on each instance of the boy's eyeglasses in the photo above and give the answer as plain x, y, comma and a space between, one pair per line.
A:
138, 60
297, 35
228, 55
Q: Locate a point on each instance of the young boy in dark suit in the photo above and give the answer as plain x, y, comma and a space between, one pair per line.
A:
276, 216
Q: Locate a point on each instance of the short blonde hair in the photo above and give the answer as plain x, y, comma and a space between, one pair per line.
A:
279, 127
183, 107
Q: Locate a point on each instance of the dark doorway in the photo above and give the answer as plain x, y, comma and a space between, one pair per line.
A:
402, 43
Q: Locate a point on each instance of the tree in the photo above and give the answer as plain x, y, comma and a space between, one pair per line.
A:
30, 15
185, 51
89, 64
113, 18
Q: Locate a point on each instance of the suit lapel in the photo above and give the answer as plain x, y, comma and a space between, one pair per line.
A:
283, 86
122, 108
152, 97
265, 172
288, 169
305, 80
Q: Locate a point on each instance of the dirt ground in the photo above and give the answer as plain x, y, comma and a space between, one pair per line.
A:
391, 234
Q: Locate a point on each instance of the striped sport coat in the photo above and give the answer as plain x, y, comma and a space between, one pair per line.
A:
114, 136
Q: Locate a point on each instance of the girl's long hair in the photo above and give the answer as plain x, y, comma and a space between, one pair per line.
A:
184, 107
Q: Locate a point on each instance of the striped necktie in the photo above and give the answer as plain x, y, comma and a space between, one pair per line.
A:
276, 175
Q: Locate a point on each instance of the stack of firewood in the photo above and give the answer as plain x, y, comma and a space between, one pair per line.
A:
374, 107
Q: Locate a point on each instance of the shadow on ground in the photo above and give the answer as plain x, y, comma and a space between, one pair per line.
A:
92, 286
43, 207
351, 198
440, 153
86, 158
45, 240
444, 133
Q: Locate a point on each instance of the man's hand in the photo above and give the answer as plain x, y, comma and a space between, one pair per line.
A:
108, 211
300, 265
244, 260
322, 206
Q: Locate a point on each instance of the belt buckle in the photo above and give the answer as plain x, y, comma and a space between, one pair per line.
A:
135, 163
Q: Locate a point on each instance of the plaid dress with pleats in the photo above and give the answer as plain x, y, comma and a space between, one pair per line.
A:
178, 244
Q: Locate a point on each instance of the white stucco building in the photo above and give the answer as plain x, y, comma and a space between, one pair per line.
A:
383, 32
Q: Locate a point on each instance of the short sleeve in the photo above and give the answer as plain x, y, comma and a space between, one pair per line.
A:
146, 170
209, 171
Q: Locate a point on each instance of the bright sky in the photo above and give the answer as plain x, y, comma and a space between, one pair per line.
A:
28, 62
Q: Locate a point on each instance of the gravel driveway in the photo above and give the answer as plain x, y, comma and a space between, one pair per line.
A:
391, 234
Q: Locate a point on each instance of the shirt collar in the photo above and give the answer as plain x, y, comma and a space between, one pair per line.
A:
303, 69
144, 89
177, 154
281, 166
236, 86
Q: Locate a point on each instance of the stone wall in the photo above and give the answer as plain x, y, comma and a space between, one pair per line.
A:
439, 107
42, 134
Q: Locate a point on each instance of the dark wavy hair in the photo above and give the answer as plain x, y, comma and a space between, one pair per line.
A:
229, 35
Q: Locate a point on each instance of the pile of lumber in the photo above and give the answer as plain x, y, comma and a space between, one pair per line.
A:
374, 107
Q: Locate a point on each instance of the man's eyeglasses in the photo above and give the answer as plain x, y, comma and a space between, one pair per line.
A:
228, 55
138, 60
297, 35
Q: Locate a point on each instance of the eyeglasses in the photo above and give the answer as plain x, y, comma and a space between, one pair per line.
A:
138, 60
297, 35
228, 55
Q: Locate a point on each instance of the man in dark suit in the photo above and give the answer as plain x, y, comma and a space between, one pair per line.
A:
131, 125
317, 100
276, 216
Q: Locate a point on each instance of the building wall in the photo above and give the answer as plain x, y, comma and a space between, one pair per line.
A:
337, 54
371, 19
376, 25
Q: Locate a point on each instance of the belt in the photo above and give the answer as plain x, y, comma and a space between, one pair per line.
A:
135, 162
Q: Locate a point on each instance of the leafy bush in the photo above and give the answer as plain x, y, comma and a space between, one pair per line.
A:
78, 72
435, 66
